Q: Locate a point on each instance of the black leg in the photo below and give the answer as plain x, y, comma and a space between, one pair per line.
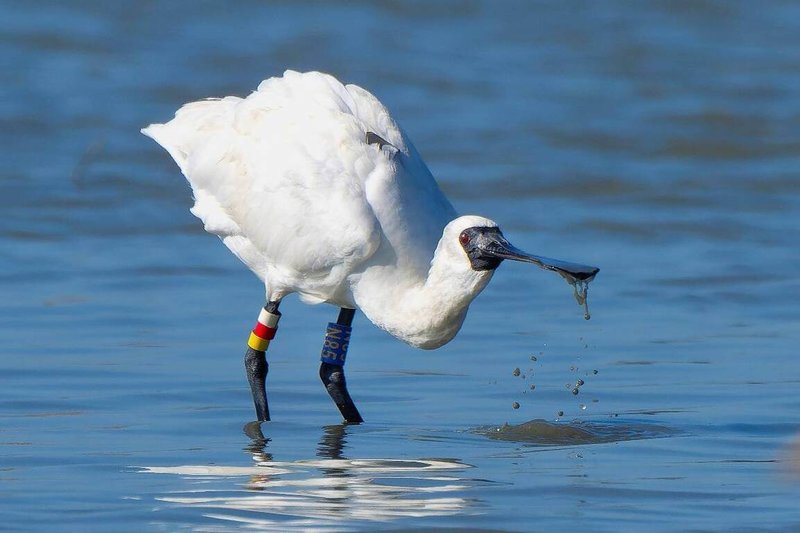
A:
255, 362
333, 378
331, 371
255, 359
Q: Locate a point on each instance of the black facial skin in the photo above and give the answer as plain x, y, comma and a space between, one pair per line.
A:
477, 242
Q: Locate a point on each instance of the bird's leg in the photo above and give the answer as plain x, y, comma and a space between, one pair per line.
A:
255, 360
331, 371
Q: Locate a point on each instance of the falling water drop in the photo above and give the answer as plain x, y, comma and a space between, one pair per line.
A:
580, 290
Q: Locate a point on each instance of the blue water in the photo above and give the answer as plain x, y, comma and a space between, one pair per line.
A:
659, 141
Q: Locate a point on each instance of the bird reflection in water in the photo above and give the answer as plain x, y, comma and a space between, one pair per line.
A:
258, 449
332, 443
330, 489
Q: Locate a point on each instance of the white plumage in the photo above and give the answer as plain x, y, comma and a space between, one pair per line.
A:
287, 179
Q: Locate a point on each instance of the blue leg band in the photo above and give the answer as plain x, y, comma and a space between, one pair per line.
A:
334, 350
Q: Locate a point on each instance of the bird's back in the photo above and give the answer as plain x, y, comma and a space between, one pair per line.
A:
287, 178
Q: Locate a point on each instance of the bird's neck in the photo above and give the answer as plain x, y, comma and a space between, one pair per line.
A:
427, 312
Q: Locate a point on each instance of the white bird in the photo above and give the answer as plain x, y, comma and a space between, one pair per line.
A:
315, 187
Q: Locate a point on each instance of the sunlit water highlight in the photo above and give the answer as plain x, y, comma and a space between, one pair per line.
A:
325, 492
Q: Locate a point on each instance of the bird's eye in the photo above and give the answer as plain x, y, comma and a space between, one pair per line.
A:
463, 238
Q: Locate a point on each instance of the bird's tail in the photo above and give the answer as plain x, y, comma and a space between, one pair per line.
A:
191, 127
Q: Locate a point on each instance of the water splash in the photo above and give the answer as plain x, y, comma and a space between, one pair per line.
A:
577, 275
580, 290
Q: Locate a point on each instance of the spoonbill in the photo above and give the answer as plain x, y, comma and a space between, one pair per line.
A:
314, 186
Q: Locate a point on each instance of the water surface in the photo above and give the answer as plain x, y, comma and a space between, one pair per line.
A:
659, 141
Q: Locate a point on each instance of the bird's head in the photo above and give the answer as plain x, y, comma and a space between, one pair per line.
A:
481, 245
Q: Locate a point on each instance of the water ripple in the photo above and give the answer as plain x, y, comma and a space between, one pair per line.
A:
543, 433
320, 493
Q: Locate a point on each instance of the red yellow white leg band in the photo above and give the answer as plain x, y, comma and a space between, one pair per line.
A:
265, 330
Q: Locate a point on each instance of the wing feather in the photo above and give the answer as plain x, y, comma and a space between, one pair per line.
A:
281, 175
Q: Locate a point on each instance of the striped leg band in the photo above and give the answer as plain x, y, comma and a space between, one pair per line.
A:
337, 338
264, 331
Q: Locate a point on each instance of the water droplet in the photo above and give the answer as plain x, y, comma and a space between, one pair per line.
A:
533, 358
533, 386
583, 407
575, 391
560, 414
594, 372
515, 405
579, 383
516, 372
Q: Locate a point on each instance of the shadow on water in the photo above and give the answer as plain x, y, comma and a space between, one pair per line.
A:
329, 490
543, 433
